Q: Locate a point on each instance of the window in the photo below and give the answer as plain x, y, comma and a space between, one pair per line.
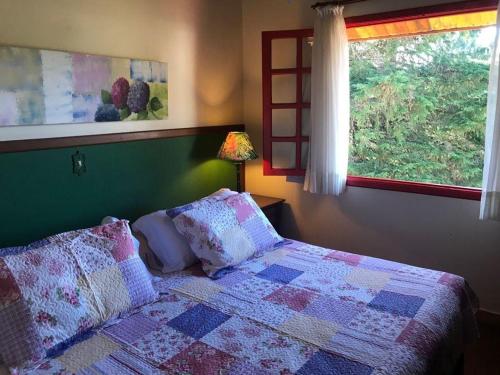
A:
418, 99
287, 95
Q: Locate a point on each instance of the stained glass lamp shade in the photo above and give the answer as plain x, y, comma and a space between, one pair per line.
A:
237, 148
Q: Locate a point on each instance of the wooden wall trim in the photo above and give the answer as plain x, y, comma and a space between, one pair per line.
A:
87, 140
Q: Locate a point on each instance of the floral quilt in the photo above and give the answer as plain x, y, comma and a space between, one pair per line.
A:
300, 309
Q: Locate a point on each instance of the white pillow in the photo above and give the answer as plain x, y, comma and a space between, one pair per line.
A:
148, 256
165, 241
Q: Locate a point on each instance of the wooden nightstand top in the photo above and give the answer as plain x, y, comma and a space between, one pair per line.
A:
265, 202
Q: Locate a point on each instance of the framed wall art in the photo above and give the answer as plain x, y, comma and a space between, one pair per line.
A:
40, 87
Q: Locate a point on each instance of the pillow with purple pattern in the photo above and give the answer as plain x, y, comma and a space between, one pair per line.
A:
56, 290
225, 231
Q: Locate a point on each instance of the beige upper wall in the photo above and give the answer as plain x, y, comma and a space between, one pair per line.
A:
433, 232
199, 39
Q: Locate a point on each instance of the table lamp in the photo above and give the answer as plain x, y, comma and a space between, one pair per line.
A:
237, 148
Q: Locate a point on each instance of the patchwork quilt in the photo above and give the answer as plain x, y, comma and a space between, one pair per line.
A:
300, 309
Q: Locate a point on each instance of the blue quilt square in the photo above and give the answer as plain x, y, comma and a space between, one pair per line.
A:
395, 303
198, 321
323, 363
176, 211
279, 274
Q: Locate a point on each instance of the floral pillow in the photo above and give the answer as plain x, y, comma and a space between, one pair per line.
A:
225, 231
51, 294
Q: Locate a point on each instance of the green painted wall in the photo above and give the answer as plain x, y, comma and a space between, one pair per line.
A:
40, 195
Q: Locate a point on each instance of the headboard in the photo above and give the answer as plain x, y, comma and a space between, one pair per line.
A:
127, 176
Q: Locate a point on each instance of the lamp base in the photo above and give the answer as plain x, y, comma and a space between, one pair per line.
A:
238, 176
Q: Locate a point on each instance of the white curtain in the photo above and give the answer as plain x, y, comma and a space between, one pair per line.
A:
490, 199
329, 142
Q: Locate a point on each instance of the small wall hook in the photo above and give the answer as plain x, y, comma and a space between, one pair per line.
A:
79, 166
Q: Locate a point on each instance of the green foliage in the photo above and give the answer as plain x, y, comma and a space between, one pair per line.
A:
124, 113
155, 104
106, 97
418, 108
142, 115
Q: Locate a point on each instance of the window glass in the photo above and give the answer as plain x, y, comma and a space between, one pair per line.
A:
283, 155
306, 88
418, 107
307, 52
284, 121
284, 88
284, 53
306, 122
305, 155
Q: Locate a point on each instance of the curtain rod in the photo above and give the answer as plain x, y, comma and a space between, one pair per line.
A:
340, 2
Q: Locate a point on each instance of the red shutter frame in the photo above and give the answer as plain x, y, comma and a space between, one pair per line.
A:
268, 105
366, 20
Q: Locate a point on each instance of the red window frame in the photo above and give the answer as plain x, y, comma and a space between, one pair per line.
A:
367, 20
267, 74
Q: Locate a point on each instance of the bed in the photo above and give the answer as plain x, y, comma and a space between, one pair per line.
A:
300, 309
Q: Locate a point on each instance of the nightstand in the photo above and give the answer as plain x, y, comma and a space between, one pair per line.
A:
271, 207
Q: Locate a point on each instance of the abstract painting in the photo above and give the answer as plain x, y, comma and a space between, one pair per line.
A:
50, 87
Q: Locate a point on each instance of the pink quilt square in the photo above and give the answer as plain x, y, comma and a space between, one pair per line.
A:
456, 283
9, 290
199, 359
118, 232
241, 207
296, 299
419, 337
348, 258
